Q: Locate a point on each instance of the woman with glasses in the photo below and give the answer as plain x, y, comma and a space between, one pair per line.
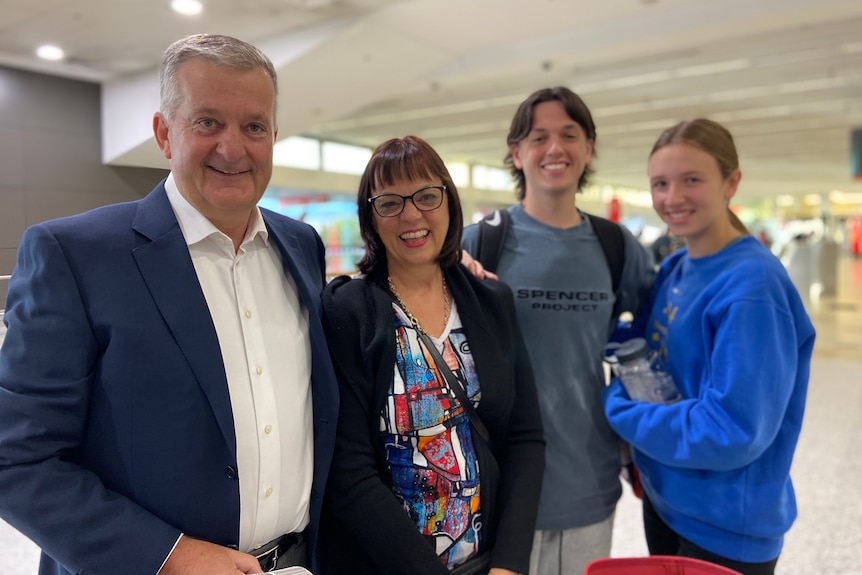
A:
438, 460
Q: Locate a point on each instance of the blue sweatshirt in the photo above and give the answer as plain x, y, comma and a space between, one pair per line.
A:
737, 340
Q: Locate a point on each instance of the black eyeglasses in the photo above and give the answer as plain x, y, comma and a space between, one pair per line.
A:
425, 200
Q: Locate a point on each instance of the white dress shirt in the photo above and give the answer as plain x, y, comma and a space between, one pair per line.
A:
262, 329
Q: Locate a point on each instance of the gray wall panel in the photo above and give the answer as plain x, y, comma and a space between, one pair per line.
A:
49, 204
12, 98
12, 217
11, 155
62, 160
60, 105
50, 157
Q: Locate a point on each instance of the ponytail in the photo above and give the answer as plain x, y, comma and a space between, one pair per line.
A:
737, 223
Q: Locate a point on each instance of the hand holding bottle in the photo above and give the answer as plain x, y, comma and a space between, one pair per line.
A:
644, 381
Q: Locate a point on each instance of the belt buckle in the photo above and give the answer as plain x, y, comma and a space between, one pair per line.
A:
275, 555
268, 558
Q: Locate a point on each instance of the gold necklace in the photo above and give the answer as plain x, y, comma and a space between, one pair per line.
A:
447, 305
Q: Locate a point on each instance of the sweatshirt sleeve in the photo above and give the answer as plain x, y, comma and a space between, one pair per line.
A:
744, 392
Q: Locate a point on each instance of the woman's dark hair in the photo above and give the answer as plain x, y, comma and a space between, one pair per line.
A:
522, 123
714, 139
404, 160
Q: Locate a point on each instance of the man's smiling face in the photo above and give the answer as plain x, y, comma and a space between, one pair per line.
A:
220, 138
555, 152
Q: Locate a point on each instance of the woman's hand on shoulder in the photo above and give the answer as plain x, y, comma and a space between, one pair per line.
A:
476, 268
500, 571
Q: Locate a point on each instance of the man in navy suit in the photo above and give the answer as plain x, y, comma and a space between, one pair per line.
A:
167, 401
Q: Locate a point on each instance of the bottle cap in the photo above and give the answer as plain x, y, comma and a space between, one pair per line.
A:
632, 349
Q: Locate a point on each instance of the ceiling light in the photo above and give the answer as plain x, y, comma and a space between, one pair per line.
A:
713, 68
655, 126
310, 4
620, 110
587, 88
812, 199
50, 52
741, 94
785, 201
652, 105
638, 80
753, 114
813, 84
187, 7
793, 57
423, 113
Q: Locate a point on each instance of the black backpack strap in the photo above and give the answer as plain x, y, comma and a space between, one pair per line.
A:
492, 235
613, 245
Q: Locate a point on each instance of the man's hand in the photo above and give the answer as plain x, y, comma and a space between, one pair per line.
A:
196, 557
499, 571
476, 268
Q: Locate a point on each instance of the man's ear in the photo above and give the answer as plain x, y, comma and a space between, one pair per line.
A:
516, 156
161, 130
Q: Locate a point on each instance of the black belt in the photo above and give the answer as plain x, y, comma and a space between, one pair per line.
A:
267, 555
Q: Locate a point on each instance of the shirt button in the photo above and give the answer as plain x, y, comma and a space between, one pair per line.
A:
230, 472
248, 314
259, 370
268, 491
268, 429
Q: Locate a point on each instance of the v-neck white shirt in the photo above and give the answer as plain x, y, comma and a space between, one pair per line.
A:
262, 329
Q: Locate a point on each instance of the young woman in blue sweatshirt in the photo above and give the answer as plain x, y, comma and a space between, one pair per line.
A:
733, 332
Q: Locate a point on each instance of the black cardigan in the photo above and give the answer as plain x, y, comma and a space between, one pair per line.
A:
365, 529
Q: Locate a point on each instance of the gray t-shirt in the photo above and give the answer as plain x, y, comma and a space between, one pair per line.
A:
564, 300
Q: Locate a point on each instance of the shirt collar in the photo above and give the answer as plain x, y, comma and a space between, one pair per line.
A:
196, 227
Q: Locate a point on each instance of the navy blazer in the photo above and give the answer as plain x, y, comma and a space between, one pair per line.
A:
116, 430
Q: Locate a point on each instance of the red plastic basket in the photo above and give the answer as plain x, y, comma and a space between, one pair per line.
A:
655, 565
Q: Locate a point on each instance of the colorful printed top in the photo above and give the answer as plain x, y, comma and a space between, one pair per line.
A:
428, 442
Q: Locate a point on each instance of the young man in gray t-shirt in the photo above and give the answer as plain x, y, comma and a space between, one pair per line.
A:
554, 263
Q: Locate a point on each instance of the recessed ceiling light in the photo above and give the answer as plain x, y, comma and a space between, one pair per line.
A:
187, 7
50, 52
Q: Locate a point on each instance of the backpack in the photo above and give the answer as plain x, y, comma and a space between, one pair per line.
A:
492, 235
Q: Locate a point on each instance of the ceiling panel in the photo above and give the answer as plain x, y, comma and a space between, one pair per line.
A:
784, 75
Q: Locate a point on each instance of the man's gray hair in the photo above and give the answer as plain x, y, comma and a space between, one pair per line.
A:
217, 49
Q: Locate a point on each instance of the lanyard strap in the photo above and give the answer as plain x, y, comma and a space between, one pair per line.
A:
455, 386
